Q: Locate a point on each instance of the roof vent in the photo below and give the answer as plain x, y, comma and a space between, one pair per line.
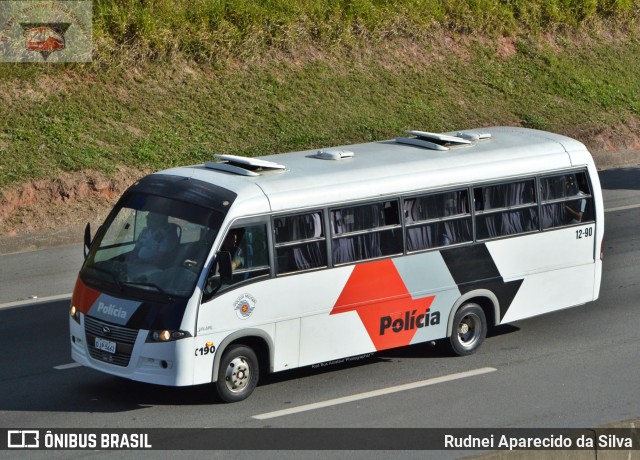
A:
436, 141
333, 154
473, 136
243, 166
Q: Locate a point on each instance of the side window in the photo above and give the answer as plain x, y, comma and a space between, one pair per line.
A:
566, 200
505, 209
438, 220
366, 231
300, 243
249, 254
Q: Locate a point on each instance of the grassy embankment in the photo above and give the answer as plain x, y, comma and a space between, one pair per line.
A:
173, 82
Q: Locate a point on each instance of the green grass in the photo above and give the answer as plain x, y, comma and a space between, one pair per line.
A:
175, 82
209, 30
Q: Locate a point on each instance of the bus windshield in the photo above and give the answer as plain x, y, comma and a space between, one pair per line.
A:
152, 247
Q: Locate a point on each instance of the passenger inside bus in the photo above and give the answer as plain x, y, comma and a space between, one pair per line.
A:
246, 247
231, 244
566, 200
575, 209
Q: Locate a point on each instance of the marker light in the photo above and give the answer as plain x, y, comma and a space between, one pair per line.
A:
75, 314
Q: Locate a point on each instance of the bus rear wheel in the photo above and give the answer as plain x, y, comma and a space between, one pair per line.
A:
469, 329
238, 374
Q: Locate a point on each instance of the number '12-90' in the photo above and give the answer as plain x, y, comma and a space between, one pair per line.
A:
584, 233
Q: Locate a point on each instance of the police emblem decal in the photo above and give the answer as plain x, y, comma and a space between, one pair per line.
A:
244, 306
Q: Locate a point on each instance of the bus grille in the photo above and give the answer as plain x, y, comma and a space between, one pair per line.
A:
122, 336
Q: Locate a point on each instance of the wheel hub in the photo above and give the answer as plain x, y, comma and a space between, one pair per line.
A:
468, 330
238, 374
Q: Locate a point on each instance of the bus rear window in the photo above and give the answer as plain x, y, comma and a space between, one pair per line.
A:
566, 200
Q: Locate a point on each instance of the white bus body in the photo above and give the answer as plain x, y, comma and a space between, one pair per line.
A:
337, 253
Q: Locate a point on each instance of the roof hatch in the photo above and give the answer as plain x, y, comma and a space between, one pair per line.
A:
243, 166
436, 141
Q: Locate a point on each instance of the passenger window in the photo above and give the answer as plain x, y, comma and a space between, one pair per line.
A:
566, 200
300, 243
438, 220
366, 232
505, 209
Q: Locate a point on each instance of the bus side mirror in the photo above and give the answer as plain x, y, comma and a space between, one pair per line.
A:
87, 239
221, 273
224, 266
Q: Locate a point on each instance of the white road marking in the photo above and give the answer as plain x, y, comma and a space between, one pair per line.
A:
373, 394
21, 303
63, 367
622, 208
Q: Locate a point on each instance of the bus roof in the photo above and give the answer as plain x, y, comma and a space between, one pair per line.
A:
391, 167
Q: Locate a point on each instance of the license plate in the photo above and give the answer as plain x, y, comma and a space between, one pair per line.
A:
105, 345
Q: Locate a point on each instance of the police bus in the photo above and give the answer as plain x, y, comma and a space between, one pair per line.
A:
223, 271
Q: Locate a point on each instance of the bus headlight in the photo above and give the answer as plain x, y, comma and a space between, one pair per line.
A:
75, 314
166, 335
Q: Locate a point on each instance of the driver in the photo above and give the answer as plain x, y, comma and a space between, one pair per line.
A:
155, 241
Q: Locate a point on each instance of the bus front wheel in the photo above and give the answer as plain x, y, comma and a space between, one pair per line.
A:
238, 374
469, 329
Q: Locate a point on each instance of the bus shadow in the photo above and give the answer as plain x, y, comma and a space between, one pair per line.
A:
428, 350
503, 329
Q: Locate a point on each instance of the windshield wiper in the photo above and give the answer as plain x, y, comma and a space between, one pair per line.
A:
151, 285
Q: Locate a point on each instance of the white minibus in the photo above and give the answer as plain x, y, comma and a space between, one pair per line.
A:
224, 271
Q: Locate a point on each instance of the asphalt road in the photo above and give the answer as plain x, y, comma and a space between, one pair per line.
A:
574, 368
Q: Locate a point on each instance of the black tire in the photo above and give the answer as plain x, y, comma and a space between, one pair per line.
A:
469, 329
238, 374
